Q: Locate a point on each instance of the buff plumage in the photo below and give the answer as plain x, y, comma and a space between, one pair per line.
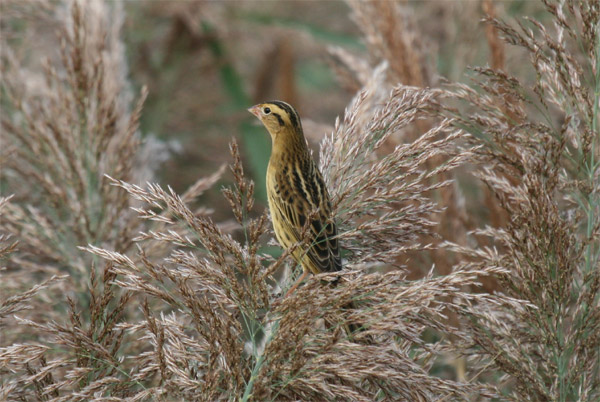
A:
296, 191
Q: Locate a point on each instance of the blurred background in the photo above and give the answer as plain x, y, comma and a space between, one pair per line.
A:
205, 62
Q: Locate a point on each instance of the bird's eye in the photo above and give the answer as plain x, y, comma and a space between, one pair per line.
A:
267, 110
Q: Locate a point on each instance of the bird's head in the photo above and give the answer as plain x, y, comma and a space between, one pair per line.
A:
280, 119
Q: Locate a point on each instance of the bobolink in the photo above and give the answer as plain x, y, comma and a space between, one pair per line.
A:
296, 192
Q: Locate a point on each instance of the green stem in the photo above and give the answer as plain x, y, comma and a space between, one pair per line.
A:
255, 370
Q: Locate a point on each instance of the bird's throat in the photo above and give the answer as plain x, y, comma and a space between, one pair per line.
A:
288, 145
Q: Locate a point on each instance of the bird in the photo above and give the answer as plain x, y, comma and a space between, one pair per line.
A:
296, 193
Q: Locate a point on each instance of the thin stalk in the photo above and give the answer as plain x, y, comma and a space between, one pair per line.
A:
258, 365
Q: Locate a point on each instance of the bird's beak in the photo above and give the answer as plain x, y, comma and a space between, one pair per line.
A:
255, 110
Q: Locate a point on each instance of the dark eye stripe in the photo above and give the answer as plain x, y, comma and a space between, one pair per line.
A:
279, 119
294, 118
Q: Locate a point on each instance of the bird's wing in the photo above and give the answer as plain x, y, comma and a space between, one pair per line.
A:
323, 252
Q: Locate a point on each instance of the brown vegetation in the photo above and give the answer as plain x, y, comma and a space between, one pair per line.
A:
111, 289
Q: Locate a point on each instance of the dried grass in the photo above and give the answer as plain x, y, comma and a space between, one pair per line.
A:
539, 157
116, 291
